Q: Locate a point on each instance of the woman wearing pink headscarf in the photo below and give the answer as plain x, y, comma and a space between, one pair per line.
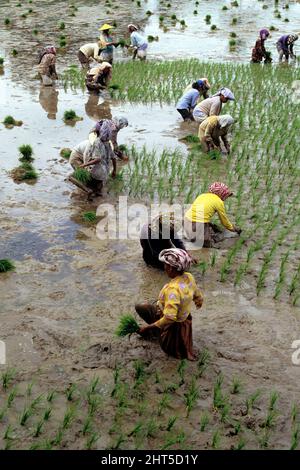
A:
197, 223
259, 52
46, 65
170, 317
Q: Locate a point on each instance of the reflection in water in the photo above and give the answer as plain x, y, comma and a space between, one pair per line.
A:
95, 110
49, 99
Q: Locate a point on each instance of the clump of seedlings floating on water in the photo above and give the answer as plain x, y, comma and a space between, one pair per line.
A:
10, 122
26, 152
24, 172
7, 21
6, 266
152, 38
207, 19
70, 117
65, 153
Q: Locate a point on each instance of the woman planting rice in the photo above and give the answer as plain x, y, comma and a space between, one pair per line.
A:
76, 157
204, 86
212, 106
98, 77
159, 235
111, 128
138, 43
259, 52
89, 52
106, 44
197, 219
46, 65
188, 101
285, 46
171, 317
97, 158
213, 131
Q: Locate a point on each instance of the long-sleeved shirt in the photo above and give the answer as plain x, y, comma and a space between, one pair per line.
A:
175, 299
47, 65
259, 50
188, 100
283, 42
209, 107
204, 208
137, 40
90, 50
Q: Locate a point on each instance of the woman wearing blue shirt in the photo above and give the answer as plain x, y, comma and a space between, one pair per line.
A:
138, 43
188, 101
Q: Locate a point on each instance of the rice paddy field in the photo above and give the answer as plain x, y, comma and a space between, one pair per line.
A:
69, 381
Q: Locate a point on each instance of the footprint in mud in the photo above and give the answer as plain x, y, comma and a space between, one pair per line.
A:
57, 295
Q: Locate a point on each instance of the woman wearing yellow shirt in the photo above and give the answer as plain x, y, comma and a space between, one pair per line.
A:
197, 223
171, 318
214, 130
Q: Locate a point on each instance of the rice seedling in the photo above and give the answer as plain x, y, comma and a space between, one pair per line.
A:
82, 175
203, 362
225, 413
94, 404
151, 428
29, 389
35, 32
216, 440
11, 397
295, 437
294, 413
240, 444
224, 8
204, 421
273, 400
120, 440
149, 13
62, 43
270, 419
191, 396
181, 370
171, 441
71, 389
7, 377
236, 386
213, 27
234, 21
25, 415
91, 440
50, 396
207, 18
65, 153
251, 400
68, 417
10, 122
2, 413
219, 399
7, 21
90, 217
171, 422
264, 439
62, 25
235, 3
232, 43
38, 428
140, 372
87, 426
202, 266
47, 414
7, 433
163, 404
6, 266
1, 61
26, 152
128, 325
56, 441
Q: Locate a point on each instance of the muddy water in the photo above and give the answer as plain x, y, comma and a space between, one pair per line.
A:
59, 303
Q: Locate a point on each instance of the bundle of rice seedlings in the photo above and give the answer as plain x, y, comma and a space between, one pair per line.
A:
10, 122
1, 61
65, 153
82, 175
90, 217
71, 115
6, 265
127, 326
26, 151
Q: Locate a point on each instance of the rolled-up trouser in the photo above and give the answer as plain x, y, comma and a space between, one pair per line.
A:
142, 54
76, 159
82, 58
186, 114
47, 81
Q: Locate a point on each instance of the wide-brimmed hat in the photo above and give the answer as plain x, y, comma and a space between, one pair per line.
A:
105, 26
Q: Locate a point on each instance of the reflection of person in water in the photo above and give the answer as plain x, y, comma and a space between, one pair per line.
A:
48, 100
95, 110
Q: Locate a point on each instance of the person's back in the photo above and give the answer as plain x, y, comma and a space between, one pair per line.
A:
209, 107
188, 100
137, 40
205, 206
89, 48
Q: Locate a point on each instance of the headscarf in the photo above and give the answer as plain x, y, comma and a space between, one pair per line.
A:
225, 120
46, 50
220, 189
104, 129
177, 258
264, 33
226, 92
132, 26
292, 38
120, 122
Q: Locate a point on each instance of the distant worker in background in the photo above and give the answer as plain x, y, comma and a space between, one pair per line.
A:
259, 51
212, 106
213, 132
46, 65
285, 46
138, 43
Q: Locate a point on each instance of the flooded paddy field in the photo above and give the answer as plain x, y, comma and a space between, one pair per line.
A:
61, 306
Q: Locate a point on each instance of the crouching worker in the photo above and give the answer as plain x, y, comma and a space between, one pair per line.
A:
76, 157
98, 77
157, 236
46, 65
89, 52
170, 319
213, 132
259, 51
138, 43
97, 158
110, 128
197, 223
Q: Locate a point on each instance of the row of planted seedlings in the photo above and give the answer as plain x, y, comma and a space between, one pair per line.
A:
185, 406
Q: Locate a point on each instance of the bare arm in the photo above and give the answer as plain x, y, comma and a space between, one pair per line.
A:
91, 162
